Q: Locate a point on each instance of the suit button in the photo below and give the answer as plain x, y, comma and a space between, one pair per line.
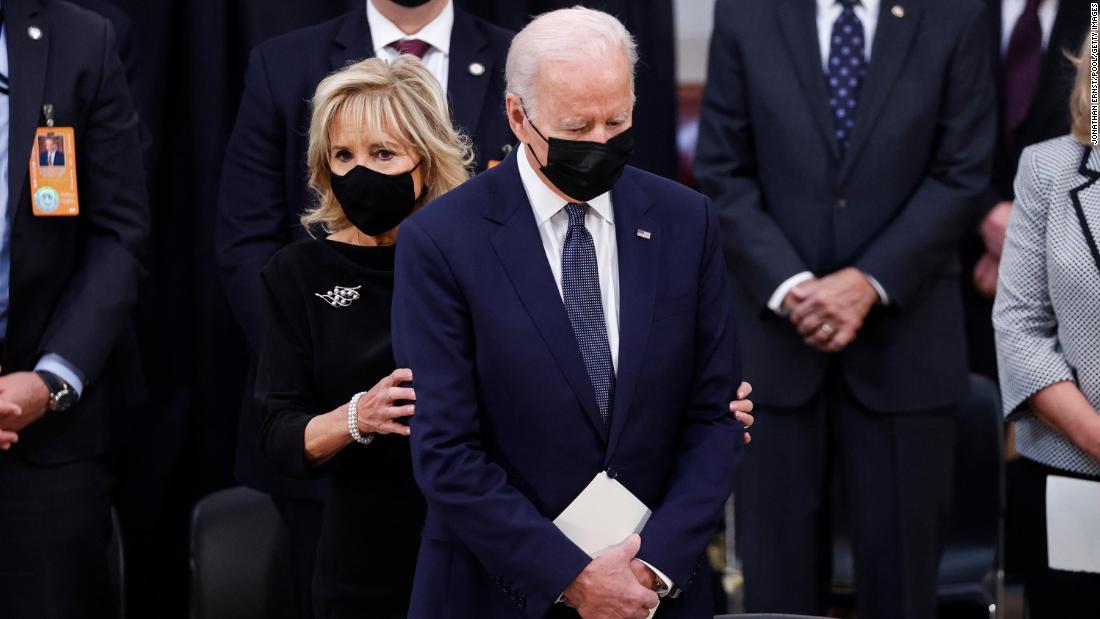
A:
612, 473
841, 203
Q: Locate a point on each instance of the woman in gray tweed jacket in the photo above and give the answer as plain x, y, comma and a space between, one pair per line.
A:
1047, 322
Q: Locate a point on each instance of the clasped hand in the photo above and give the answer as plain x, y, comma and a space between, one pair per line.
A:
828, 312
615, 585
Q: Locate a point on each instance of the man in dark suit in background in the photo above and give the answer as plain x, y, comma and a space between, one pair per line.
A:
1033, 87
69, 357
845, 145
263, 185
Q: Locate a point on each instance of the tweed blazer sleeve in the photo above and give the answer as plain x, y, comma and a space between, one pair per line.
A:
1029, 354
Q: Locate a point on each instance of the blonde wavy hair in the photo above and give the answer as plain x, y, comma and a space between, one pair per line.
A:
401, 98
1080, 99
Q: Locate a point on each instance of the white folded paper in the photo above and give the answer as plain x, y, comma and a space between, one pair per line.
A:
1073, 515
602, 516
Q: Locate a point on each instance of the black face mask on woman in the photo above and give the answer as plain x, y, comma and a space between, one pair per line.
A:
583, 170
375, 202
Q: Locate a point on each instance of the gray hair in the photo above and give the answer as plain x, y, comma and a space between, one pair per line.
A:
573, 34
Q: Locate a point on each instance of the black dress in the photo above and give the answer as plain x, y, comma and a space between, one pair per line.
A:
327, 337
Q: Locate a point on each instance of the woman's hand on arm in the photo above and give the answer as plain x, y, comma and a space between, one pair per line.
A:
1064, 407
327, 434
741, 408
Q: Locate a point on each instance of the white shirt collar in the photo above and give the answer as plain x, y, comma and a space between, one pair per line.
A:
436, 33
871, 6
545, 202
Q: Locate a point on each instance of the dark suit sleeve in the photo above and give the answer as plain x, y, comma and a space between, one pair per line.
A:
922, 240
252, 204
95, 308
283, 376
680, 528
726, 168
432, 334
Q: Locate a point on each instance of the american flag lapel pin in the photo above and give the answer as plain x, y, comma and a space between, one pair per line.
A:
645, 234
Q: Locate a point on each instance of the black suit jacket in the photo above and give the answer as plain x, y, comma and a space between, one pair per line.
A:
894, 206
74, 280
263, 185
1049, 114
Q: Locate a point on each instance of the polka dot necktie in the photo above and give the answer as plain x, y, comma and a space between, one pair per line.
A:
580, 285
846, 71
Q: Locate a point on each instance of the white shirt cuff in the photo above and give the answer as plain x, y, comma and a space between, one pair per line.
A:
882, 296
665, 585
775, 302
63, 369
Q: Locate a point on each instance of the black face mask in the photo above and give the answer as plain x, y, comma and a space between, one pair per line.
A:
375, 202
583, 170
411, 3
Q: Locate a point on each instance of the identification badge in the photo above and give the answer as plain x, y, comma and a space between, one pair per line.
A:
53, 173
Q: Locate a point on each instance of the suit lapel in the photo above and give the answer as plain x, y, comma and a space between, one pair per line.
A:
993, 12
27, 61
519, 247
1088, 192
798, 22
467, 86
637, 290
893, 36
353, 40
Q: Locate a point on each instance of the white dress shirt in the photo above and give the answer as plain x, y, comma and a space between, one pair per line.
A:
437, 33
827, 13
553, 224
1011, 10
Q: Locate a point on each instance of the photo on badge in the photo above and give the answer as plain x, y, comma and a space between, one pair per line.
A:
52, 169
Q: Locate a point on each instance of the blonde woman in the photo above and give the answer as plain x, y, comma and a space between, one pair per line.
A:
381, 145
1047, 324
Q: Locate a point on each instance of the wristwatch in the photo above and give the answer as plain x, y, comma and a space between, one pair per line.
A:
62, 396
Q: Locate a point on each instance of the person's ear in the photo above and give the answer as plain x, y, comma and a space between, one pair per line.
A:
516, 116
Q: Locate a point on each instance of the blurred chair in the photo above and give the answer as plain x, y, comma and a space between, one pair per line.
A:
240, 568
971, 570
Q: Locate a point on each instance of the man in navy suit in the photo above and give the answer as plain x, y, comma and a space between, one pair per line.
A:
263, 185
566, 315
845, 144
52, 155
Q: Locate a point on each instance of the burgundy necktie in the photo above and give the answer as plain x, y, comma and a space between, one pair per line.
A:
1020, 70
416, 47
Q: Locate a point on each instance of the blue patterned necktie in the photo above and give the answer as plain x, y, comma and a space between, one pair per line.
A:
580, 286
846, 71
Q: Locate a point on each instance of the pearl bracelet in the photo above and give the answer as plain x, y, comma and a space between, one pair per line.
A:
353, 421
